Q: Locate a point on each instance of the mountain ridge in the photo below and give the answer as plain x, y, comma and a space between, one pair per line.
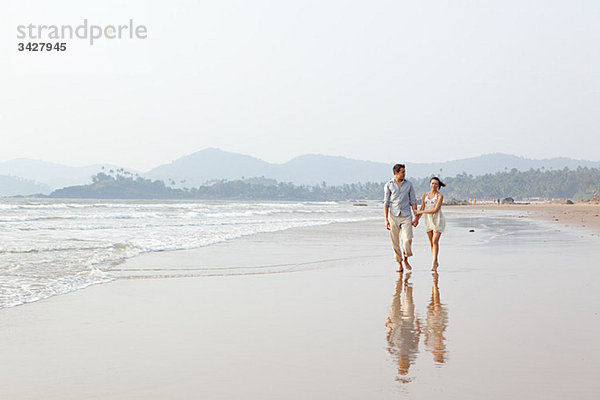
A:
49, 174
212, 164
311, 169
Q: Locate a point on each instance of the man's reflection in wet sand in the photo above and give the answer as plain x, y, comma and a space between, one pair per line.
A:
436, 323
404, 328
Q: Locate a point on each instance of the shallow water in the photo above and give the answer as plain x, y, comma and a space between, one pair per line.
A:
51, 247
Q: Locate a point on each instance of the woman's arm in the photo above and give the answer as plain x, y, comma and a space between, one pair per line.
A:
437, 207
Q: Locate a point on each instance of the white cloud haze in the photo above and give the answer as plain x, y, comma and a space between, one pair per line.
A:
383, 81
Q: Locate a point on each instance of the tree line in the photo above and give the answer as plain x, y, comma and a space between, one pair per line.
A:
579, 184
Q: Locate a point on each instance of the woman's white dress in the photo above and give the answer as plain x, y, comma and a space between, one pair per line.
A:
436, 221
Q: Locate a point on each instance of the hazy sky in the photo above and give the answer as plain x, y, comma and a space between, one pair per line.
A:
416, 81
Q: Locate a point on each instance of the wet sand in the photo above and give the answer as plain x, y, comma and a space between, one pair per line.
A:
320, 313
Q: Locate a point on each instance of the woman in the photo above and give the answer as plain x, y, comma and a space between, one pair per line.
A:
435, 223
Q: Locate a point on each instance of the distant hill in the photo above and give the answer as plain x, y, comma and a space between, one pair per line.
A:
119, 186
214, 164
497, 162
12, 186
311, 169
50, 175
211, 164
123, 185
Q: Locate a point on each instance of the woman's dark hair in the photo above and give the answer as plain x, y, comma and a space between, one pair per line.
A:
440, 183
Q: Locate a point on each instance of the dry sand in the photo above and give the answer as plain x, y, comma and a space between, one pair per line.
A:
511, 316
579, 215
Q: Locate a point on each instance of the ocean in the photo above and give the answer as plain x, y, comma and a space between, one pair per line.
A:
51, 247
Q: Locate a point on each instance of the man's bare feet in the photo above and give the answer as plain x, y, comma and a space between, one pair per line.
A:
435, 266
400, 270
406, 264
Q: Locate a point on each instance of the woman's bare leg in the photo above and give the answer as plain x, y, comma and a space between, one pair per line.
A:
430, 236
435, 249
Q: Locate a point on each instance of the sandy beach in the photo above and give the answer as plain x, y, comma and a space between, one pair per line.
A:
580, 215
320, 313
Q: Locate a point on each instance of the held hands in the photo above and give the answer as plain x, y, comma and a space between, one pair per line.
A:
415, 220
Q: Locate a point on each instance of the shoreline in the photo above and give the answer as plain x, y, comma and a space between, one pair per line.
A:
578, 215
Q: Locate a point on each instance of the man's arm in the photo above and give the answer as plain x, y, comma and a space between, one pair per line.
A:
386, 205
386, 211
416, 217
413, 204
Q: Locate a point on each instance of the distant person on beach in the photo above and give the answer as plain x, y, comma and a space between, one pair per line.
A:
435, 223
398, 200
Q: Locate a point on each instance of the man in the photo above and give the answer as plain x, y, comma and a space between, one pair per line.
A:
399, 198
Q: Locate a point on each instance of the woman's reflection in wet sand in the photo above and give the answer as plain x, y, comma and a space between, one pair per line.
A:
404, 328
436, 323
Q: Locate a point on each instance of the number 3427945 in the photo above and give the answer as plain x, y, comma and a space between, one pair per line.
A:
35, 46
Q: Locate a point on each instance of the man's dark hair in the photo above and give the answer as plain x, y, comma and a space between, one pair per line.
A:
398, 167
